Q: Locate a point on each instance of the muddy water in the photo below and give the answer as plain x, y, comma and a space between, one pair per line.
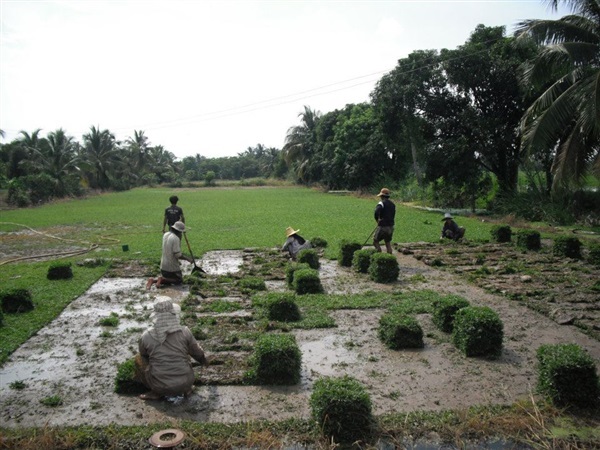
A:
76, 358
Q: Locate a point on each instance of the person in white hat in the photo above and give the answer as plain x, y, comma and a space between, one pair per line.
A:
163, 364
170, 268
451, 230
294, 243
385, 214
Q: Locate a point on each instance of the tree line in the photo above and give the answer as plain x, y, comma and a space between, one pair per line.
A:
461, 127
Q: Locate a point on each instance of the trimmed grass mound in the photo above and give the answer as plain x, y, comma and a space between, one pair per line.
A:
478, 331
276, 360
444, 311
384, 268
399, 331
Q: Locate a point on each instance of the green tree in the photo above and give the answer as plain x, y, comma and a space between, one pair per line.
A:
139, 148
101, 155
565, 118
300, 143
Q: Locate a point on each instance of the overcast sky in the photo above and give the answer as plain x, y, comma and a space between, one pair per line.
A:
214, 78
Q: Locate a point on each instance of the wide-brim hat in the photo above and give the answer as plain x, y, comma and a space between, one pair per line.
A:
179, 226
447, 216
385, 192
289, 231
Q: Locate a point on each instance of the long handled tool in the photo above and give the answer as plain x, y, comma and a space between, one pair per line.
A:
370, 235
196, 269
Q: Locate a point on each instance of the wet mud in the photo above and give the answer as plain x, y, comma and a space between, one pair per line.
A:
76, 358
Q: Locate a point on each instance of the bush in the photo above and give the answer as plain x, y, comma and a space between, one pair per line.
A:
276, 360
281, 307
444, 311
567, 246
1, 318
478, 331
342, 409
16, 301
529, 239
60, 271
398, 331
501, 233
362, 259
310, 257
291, 269
125, 381
318, 242
347, 249
307, 281
594, 254
567, 374
384, 268
253, 284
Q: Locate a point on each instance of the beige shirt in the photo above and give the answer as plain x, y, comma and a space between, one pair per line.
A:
169, 370
171, 252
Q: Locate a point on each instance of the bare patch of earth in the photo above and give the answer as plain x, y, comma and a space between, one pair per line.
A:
76, 359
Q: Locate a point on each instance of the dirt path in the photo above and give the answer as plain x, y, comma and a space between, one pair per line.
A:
75, 358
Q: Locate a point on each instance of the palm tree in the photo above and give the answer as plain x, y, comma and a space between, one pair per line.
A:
565, 118
139, 148
300, 141
101, 154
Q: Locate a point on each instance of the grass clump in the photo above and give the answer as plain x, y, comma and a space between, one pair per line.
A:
60, 271
529, 239
594, 254
362, 259
347, 249
307, 281
16, 301
310, 257
501, 233
125, 380
478, 331
567, 246
52, 401
276, 360
567, 375
444, 311
279, 306
318, 242
252, 284
384, 268
291, 269
111, 321
342, 409
398, 331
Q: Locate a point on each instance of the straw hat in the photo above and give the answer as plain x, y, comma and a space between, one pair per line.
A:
179, 226
385, 192
290, 231
447, 216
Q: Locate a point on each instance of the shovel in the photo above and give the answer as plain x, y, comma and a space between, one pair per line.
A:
196, 269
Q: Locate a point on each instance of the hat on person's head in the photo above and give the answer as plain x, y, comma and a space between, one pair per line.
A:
447, 216
179, 226
289, 231
385, 192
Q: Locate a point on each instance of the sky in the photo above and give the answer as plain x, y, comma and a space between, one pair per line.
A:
214, 77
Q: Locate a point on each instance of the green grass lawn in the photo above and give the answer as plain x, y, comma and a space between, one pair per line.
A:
225, 218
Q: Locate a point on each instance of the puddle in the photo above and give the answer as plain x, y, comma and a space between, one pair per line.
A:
222, 262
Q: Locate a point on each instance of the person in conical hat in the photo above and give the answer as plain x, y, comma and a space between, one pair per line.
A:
294, 243
170, 268
385, 214
451, 230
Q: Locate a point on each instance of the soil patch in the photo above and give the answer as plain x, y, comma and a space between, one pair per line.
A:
76, 358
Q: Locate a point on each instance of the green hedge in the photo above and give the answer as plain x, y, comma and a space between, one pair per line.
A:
342, 409
362, 259
310, 257
384, 268
398, 331
307, 281
291, 269
276, 360
347, 249
529, 239
478, 331
501, 233
444, 311
567, 374
567, 246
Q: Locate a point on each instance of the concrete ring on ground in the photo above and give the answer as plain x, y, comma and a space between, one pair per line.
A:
164, 439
